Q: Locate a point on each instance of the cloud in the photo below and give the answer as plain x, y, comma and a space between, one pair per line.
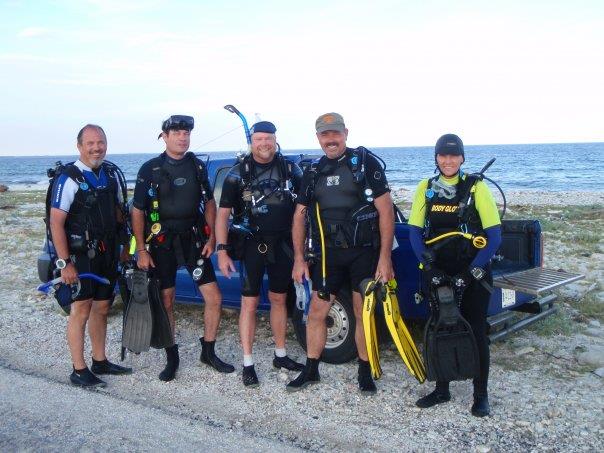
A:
32, 32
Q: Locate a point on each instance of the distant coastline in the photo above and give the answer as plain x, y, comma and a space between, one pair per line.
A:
554, 167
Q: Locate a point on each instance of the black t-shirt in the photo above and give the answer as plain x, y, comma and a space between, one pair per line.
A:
180, 194
275, 209
335, 190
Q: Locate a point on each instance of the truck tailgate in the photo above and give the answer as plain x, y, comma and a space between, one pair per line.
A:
535, 281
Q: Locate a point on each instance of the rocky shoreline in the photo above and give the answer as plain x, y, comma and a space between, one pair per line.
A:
546, 388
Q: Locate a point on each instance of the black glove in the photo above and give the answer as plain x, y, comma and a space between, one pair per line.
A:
431, 272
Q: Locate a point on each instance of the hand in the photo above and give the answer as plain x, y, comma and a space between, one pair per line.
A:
208, 249
69, 274
384, 271
300, 271
225, 263
144, 260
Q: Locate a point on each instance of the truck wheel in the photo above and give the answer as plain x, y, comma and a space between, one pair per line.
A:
340, 346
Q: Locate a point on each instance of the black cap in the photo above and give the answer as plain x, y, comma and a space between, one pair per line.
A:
449, 144
263, 126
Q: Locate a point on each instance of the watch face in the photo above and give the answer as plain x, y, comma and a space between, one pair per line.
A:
477, 273
61, 263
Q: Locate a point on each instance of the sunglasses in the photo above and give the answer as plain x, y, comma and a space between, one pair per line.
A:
178, 122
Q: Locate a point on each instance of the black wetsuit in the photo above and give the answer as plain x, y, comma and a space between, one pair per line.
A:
455, 258
270, 221
91, 198
179, 195
339, 196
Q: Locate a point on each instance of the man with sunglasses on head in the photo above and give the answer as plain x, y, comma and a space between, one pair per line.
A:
173, 211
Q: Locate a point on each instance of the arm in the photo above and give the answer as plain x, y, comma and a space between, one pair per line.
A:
300, 269
491, 223
143, 258
59, 240
383, 204
225, 263
210, 216
417, 242
493, 242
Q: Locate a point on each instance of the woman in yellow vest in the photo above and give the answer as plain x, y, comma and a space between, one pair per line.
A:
452, 215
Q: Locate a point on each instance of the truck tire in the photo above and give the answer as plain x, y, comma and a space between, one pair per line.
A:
340, 346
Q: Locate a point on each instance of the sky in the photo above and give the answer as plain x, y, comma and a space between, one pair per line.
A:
402, 73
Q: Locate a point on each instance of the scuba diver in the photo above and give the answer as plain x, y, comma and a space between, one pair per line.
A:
345, 202
260, 191
84, 221
173, 211
451, 215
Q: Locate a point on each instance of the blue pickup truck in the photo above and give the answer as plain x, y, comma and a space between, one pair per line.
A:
522, 293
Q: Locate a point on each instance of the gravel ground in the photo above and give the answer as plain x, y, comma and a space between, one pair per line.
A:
545, 391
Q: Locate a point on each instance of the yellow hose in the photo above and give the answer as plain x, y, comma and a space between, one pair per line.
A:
479, 242
323, 265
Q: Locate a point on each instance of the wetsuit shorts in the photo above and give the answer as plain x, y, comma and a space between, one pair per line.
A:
345, 268
276, 262
167, 263
104, 264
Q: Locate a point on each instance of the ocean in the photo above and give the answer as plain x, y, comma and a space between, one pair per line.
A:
544, 167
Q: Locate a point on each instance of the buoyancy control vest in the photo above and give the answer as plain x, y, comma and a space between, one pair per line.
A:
266, 208
91, 219
348, 215
181, 204
452, 208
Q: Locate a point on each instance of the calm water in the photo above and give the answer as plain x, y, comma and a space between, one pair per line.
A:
554, 167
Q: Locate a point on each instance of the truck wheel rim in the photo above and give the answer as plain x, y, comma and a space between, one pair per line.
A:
338, 325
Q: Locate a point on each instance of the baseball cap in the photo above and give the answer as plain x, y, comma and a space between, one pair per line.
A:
330, 122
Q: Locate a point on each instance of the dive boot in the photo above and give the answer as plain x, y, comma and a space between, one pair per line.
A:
440, 395
208, 356
366, 384
173, 361
308, 376
481, 408
106, 367
249, 376
85, 378
287, 363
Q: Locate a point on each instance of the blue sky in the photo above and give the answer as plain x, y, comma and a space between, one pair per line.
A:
401, 73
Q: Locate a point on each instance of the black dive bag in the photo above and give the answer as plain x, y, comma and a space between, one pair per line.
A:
450, 350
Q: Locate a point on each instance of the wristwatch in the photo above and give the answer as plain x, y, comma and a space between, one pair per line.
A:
477, 273
62, 263
220, 247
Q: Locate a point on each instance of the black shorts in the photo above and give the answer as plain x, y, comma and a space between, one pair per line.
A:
104, 265
277, 262
345, 267
166, 265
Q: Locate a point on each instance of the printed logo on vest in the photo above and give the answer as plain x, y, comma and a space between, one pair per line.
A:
180, 181
444, 208
333, 180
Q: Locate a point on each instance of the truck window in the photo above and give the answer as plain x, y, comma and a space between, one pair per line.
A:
218, 181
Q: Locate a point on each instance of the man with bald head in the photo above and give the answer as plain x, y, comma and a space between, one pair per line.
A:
85, 218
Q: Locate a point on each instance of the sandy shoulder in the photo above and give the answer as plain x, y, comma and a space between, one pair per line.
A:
543, 398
